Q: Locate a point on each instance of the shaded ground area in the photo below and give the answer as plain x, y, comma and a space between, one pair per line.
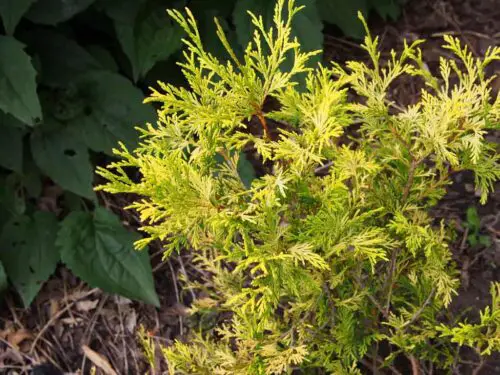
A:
69, 319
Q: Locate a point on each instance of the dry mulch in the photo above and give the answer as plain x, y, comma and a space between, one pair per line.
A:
76, 329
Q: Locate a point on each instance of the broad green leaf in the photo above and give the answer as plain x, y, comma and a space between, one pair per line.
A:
146, 34
12, 11
11, 143
52, 12
12, 201
205, 12
387, 8
3, 278
473, 220
105, 58
306, 25
344, 14
99, 250
61, 58
246, 170
114, 108
62, 156
17, 82
28, 252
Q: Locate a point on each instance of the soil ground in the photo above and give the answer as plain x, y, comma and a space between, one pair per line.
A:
68, 318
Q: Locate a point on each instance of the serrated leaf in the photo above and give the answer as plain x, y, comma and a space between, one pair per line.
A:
3, 279
99, 250
306, 25
62, 156
146, 34
12, 11
28, 252
11, 143
61, 58
114, 108
344, 14
52, 12
17, 82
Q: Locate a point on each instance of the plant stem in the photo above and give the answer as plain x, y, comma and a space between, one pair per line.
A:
263, 122
411, 176
420, 310
415, 366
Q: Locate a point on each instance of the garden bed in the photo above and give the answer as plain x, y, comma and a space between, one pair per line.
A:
74, 327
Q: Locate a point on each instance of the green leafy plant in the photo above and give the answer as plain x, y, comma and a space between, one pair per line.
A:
473, 224
71, 79
330, 254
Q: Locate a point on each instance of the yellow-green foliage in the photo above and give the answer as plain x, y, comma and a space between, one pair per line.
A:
313, 270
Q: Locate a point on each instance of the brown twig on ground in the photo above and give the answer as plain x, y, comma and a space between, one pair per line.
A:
56, 316
177, 296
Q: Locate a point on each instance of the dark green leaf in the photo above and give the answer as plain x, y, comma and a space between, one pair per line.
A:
17, 82
64, 158
12, 203
12, 11
306, 25
473, 221
387, 8
485, 240
52, 12
146, 34
344, 14
11, 143
105, 58
3, 278
61, 58
28, 252
246, 170
114, 108
205, 11
99, 250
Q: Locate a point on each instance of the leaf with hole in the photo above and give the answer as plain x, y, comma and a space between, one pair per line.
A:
64, 158
17, 82
52, 12
12, 200
28, 252
113, 109
11, 143
99, 250
145, 33
12, 12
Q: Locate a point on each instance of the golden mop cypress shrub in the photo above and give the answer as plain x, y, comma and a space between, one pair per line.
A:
330, 251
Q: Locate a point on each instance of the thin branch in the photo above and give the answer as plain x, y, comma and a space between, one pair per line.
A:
371, 298
263, 122
479, 366
415, 365
390, 278
409, 182
420, 310
177, 296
